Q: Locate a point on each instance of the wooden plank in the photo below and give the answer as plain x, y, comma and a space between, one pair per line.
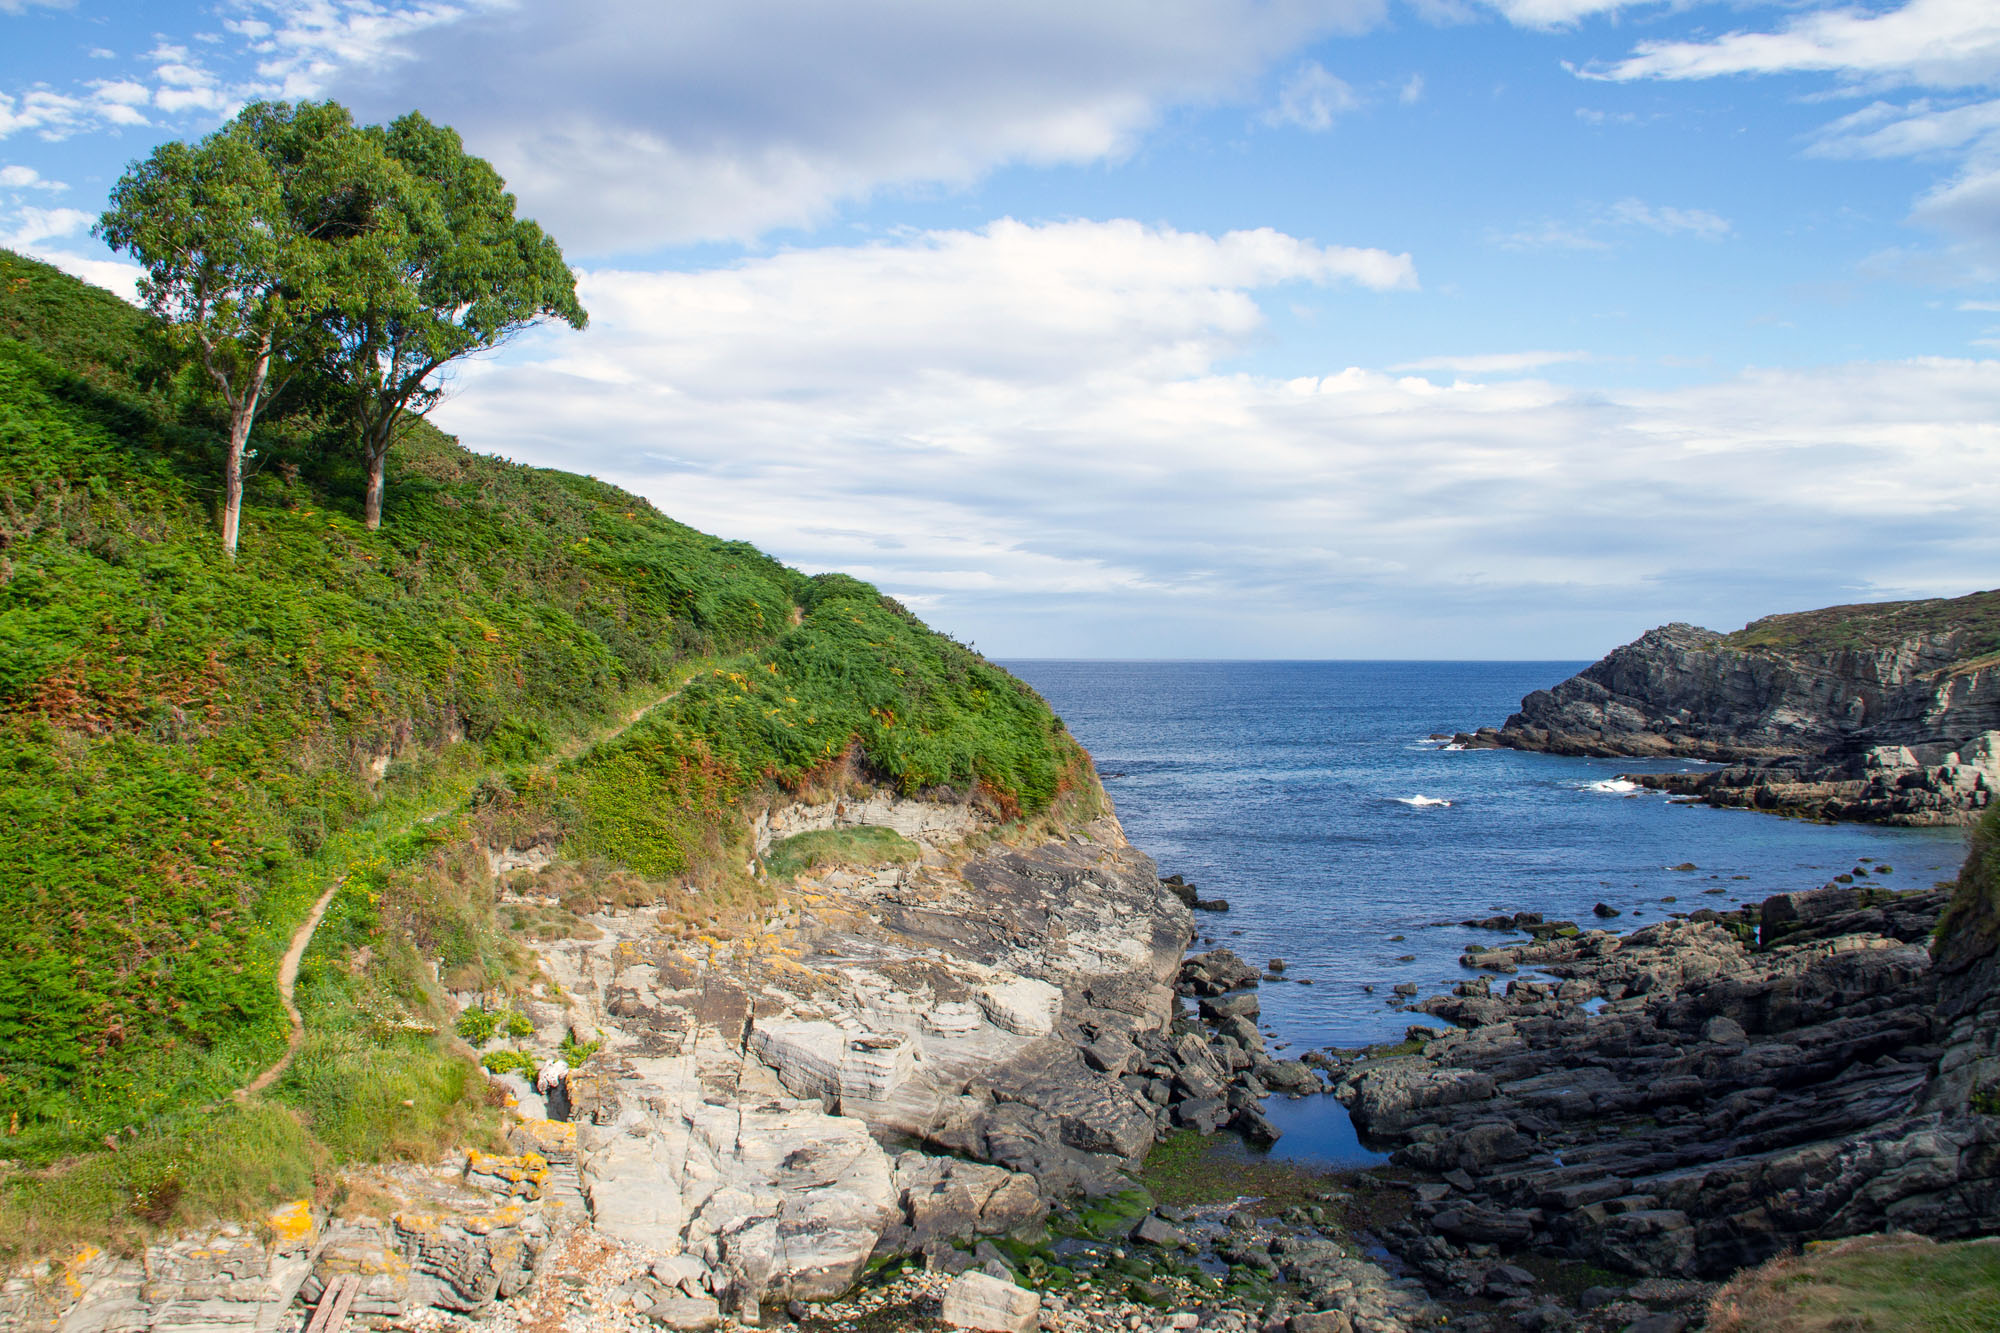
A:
334, 1303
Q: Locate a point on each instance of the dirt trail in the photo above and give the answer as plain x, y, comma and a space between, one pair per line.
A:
288, 969
288, 978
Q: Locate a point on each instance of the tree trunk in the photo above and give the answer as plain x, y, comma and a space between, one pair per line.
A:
378, 478
243, 413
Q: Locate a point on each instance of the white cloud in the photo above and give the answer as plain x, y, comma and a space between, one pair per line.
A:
721, 119
1936, 43
1923, 127
1412, 91
27, 225
27, 178
1313, 99
1025, 431
23, 6
1493, 363
114, 275
1547, 14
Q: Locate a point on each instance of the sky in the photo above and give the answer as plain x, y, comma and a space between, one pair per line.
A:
1193, 328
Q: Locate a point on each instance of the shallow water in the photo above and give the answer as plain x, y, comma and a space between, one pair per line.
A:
1289, 788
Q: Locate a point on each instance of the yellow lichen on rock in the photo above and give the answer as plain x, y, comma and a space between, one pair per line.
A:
527, 1174
72, 1270
545, 1137
292, 1225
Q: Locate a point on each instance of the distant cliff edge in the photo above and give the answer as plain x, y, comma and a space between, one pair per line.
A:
1886, 712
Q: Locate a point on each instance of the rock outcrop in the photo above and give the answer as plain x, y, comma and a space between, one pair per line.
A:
989, 1008
1888, 712
1681, 1101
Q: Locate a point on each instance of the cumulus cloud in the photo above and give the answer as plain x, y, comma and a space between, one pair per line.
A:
657, 124
1313, 99
1030, 433
27, 178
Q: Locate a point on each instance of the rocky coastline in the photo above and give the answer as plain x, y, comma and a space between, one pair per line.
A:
1677, 1103
1887, 714
949, 1068
925, 1094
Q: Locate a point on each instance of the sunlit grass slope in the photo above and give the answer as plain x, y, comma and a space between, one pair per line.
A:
191, 751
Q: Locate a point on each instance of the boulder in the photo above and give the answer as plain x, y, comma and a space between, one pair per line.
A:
982, 1301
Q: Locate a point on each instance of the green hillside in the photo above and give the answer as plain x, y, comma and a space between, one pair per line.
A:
194, 750
1875, 624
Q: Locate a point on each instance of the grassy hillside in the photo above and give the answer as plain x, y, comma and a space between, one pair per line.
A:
1873, 624
193, 750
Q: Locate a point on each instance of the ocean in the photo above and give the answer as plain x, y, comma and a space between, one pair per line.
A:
1351, 846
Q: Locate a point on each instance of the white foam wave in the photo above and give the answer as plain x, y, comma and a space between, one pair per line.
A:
1420, 800
1615, 786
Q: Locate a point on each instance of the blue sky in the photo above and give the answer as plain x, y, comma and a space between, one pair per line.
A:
1344, 328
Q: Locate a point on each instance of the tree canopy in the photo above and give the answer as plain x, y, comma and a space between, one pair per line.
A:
292, 242
446, 270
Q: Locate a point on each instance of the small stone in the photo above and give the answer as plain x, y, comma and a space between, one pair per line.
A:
694, 1314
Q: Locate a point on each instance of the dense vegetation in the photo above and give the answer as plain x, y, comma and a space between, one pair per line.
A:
193, 750
1876, 624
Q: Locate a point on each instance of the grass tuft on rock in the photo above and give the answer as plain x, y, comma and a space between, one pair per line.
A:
868, 845
1897, 1283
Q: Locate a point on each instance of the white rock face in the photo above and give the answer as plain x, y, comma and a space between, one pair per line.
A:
926, 822
781, 1200
1022, 1005
834, 1063
978, 1300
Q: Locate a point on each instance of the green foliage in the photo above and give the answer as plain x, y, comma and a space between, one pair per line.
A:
235, 1163
441, 270
1968, 931
183, 741
508, 1062
866, 845
478, 1025
1878, 624
191, 751
859, 678
575, 1052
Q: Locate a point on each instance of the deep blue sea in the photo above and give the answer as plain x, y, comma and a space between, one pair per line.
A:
1290, 789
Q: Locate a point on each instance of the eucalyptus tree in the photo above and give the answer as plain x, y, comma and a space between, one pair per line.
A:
444, 270
237, 235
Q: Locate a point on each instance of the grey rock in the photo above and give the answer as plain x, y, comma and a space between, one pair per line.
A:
691, 1314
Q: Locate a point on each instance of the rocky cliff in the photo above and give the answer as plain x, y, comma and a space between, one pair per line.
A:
1881, 712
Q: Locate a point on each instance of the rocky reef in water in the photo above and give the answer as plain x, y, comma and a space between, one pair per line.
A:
1697, 1096
1888, 713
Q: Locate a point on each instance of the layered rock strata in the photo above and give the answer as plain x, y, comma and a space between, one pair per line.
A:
1899, 727
1680, 1102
